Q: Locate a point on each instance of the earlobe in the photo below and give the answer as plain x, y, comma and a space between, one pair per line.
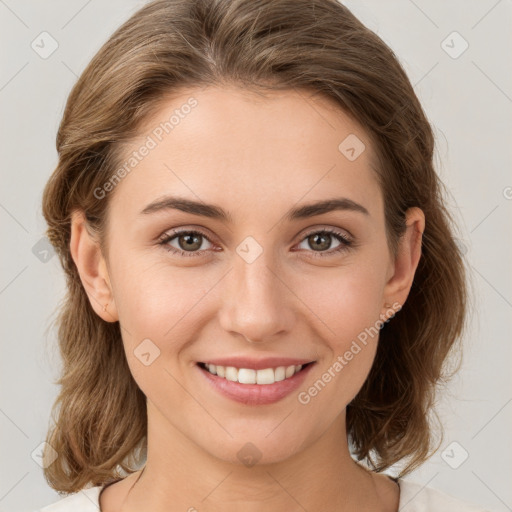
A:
92, 268
408, 256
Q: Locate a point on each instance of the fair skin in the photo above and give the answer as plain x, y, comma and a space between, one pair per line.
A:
256, 157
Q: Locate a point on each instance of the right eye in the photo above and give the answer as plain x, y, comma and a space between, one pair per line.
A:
188, 239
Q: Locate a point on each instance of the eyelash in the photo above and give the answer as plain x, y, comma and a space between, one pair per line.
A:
345, 242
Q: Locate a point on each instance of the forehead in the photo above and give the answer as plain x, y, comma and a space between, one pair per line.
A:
246, 149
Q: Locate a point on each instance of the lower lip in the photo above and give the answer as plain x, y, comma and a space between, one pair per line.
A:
256, 394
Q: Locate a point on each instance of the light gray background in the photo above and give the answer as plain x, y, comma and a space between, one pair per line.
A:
469, 101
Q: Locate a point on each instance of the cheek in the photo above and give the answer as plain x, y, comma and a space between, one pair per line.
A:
152, 297
346, 300
156, 308
347, 304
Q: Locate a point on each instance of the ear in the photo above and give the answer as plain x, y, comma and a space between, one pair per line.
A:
402, 270
92, 268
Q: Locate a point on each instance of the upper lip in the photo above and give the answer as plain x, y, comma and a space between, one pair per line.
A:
257, 364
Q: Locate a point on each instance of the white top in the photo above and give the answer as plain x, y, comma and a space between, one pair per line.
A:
414, 497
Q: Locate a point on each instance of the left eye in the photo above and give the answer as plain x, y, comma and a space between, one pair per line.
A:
323, 239
190, 242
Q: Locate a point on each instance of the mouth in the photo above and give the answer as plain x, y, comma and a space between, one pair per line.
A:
248, 376
263, 384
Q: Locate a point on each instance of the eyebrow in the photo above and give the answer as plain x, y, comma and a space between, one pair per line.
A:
216, 212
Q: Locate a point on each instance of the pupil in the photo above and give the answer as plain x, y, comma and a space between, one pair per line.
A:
325, 237
191, 240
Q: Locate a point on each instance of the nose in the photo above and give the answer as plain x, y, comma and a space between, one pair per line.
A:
257, 304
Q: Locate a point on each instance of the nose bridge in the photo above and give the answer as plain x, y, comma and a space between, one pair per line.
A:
257, 303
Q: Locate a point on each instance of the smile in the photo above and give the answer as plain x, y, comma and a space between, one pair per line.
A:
264, 376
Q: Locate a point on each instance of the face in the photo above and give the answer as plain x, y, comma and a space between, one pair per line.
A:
190, 285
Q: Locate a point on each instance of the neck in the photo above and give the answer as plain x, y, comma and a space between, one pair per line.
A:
180, 476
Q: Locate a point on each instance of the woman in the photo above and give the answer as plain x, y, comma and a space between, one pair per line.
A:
263, 280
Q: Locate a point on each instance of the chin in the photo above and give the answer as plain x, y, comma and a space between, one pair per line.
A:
255, 450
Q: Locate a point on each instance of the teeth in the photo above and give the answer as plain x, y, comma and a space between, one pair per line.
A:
249, 376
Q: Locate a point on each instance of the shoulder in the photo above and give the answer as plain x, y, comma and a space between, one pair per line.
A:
86, 500
416, 497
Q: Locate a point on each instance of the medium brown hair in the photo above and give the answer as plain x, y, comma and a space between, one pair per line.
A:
167, 46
